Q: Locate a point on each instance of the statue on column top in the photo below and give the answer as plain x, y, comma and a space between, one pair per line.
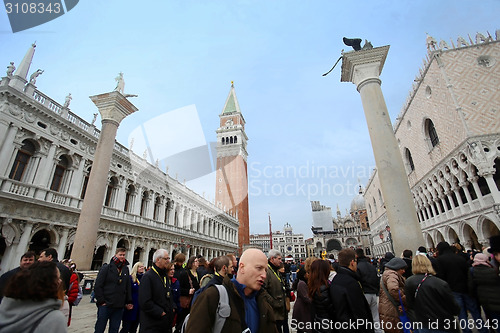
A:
35, 75
67, 101
10, 69
120, 83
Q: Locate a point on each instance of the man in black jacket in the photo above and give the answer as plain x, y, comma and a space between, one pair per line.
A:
454, 269
370, 283
27, 260
156, 301
113, 292
349, 302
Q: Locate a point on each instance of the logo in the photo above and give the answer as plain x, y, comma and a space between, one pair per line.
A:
26, 14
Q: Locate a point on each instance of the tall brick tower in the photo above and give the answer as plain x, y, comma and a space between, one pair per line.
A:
231, 190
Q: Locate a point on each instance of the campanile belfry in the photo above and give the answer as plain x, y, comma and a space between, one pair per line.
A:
231, 189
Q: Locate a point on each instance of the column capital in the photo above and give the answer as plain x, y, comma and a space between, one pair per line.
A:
358, 66
113, 106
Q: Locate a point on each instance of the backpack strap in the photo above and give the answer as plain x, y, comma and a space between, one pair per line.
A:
223, 309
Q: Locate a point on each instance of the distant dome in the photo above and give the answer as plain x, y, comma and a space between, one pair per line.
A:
358, 203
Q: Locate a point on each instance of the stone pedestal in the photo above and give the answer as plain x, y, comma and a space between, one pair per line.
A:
363, 69
113, 107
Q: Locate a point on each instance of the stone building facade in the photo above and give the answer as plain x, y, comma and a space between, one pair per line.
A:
291, 246
351, 230
46, 155
449, 137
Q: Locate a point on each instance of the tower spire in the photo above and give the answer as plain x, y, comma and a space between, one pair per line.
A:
231, 104
19, 79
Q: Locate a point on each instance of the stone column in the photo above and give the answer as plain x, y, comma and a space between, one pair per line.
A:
112, 250
23, 242
76, 181
113, 107
61, 249
363, 69
475, 185
161, 210
493, 187
130, 253
46, 164
463, 185
7, 148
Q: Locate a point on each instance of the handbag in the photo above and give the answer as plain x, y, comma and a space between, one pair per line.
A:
403, 316
185, 301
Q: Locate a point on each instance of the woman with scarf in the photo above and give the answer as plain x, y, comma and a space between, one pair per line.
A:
130, 319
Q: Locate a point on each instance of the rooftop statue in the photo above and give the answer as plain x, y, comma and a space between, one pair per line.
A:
67, 101
10, 69
35, 75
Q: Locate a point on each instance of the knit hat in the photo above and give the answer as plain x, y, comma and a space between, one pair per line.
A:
481, 259
389, 255
396, 263
494, 244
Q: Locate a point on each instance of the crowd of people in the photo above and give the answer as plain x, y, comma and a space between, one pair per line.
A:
434, 291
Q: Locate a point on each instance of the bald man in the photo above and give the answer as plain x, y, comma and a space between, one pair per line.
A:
249, 308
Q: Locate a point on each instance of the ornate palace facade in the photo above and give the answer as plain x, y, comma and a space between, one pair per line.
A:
46, 154
449, 136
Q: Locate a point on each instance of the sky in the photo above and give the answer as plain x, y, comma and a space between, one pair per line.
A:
308, 138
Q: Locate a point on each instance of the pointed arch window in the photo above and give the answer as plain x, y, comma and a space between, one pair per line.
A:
409, 161
231, 140
59, 172
431, 132
22, 159
235, 139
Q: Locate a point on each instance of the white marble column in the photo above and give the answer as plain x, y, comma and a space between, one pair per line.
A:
121, 193
113, 107
161, 210
61, 249
130, 253
137, 200
475, 185
493, 187
7, 149
363, 68
112, 250
77, 179
22, 247
45, 168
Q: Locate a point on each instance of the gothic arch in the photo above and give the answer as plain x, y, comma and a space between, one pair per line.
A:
429, 243
487, 228
451, 235
332, 245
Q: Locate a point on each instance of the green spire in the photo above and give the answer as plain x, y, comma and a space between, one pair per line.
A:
231, 102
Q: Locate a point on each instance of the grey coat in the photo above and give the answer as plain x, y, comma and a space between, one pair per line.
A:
21, 315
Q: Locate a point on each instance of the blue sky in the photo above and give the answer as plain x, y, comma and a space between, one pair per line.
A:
308, 138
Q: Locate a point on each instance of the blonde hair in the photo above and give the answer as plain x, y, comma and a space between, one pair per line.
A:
421, 265
308, 262
133, 274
